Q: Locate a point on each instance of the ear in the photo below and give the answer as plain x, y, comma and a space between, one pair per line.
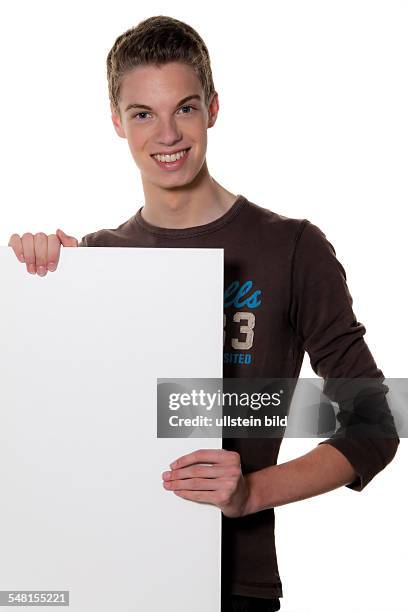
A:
213, 108
117, 124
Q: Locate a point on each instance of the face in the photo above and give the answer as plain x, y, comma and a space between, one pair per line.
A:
162, 111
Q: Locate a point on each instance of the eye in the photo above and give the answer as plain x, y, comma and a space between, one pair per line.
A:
141, 116
192, 108
141, 113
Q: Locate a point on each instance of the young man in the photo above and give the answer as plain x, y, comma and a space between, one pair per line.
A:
285, 292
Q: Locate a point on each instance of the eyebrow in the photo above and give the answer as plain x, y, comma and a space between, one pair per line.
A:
137, 105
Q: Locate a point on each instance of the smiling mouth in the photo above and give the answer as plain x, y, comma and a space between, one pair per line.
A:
170, 158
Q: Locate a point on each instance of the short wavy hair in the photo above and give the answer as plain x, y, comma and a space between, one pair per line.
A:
158, 40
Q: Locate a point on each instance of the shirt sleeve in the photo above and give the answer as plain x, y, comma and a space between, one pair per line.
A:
322, 316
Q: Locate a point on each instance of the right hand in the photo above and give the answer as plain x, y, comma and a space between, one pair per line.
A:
40, 252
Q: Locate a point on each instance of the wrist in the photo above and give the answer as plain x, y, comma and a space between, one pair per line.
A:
261, 491
238, 505
250, 503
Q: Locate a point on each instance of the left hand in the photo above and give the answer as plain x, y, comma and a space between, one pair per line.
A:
220, 482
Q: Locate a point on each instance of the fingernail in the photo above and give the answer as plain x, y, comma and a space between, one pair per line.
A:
41, 270
51, 266
21, 257
31, 268
166, 476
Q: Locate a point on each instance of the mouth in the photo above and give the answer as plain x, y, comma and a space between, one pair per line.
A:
171, 162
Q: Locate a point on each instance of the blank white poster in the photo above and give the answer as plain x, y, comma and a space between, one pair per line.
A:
83, 508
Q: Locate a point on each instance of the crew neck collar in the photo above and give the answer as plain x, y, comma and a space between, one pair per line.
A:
196, 230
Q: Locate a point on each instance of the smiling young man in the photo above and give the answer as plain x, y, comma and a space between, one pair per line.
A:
285, 293
179, 191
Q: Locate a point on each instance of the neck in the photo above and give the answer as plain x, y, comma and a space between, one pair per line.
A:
198, 203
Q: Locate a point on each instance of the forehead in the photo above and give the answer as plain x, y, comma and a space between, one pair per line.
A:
151, 84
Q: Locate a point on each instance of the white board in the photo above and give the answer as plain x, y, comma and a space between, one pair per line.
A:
82, 504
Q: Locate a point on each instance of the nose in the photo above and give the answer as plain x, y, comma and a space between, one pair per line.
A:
168, 133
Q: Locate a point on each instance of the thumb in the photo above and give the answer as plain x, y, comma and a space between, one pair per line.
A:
66, 241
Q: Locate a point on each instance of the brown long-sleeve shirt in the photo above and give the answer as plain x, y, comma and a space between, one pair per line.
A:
285, 293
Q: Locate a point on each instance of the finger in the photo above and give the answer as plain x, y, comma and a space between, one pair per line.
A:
17, 246
204, 497
66, 241
195, 471
27, 240
196, 484
198, 456
41, 250
218, 455
54, 247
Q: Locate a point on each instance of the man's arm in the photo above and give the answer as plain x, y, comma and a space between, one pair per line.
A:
321, 470
220, 482
322, 317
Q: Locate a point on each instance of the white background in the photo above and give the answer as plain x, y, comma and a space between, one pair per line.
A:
312, 123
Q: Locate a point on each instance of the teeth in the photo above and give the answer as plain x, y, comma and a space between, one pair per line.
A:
170, 158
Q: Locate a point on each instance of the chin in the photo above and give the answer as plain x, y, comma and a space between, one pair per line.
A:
175, 184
